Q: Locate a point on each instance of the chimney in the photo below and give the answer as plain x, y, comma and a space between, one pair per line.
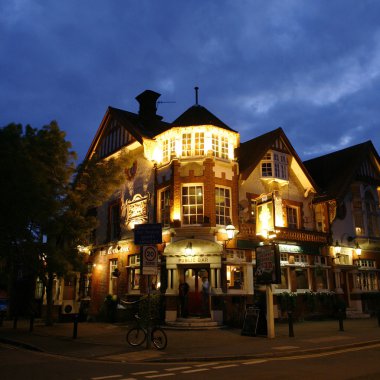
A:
148, 105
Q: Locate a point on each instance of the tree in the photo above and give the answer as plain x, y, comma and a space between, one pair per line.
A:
47, 196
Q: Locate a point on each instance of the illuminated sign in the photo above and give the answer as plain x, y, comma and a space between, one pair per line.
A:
264, 216
268, 269
137, 211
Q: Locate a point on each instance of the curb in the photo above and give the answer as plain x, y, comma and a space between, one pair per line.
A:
17, 343
265, 355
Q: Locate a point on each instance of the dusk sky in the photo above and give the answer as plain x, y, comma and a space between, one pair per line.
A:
311, 67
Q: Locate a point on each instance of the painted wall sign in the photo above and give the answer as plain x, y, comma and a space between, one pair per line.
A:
193, 259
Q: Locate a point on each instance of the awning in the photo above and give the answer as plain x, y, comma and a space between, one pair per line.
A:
304, 249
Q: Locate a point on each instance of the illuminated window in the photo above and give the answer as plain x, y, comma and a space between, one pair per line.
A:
235, 277
284, 279
292, 217
134, 272
112, 279
199, 147
224, 147
186, 144
222, 205
165, 150
275, 165
366, 263
192, 204
320, 277
215, 145
367, 281
164, 211
302, 278
300, 259
168, 149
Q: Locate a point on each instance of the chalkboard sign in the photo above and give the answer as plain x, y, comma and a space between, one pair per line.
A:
251, 319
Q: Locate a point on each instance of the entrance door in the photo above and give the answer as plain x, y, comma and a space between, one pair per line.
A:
193, 276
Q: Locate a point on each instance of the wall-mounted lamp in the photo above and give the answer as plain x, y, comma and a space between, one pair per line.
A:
337, 249
230, 231
358, 250
189, 248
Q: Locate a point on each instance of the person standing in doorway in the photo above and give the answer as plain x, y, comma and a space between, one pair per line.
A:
184, 298
205, 297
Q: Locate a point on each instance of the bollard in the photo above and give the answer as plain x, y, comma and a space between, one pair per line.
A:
340, 317
31, 323
75, 328
290, 321
378, 318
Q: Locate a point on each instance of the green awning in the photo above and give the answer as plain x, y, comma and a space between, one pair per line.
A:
306, 249
246, 244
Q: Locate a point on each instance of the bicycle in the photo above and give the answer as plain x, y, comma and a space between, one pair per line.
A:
137, 335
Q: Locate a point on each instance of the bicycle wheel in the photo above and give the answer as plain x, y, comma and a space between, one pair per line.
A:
136, 336
159, 338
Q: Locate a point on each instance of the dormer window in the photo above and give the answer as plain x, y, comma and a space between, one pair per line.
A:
275, 165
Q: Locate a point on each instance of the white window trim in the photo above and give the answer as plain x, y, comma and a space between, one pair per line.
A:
283, 165
203, 203
229, 216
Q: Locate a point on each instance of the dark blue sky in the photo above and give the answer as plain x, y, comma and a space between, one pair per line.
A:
311, 67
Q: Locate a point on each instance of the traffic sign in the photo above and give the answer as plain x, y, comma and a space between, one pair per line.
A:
149, 259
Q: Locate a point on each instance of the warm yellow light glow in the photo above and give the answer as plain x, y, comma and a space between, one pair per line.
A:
358, 250
337, 248
157, 154
176, 213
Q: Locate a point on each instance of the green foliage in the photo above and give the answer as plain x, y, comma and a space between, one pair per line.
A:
287, 301
39, 198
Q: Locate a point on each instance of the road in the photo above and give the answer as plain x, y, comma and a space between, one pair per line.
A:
355, 363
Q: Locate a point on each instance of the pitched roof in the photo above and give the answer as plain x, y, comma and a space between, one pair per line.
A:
251, 152
199, 115
138, 127
334, 172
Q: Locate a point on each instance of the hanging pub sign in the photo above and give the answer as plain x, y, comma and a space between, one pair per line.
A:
265, 224
268, 269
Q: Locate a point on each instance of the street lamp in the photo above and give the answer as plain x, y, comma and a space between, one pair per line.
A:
337, 249
358, 250
230, 231
189, 248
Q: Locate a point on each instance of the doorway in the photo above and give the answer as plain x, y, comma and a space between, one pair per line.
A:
194, 276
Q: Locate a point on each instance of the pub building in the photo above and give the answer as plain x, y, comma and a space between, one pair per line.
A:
216, 200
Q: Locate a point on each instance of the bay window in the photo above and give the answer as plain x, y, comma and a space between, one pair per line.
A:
275, 165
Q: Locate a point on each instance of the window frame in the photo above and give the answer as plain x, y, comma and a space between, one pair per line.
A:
199, 216
274, 165
164, 209
222, 219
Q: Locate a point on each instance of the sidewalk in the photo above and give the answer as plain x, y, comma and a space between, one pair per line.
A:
103, 341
